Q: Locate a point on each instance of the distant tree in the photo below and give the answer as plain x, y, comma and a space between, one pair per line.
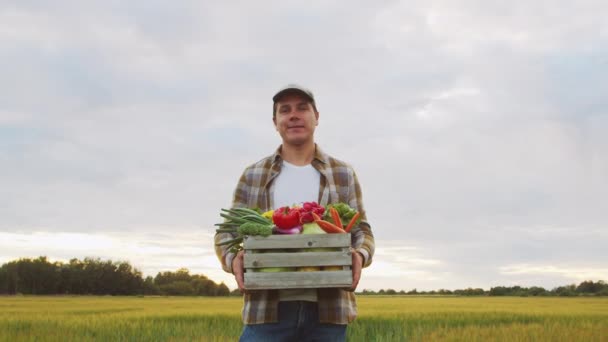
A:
222, 290
565, 291
537, 291
3, 280
29, 276
478, 292
203, 286
130, 279
12, 279
149, 288
44, 276
177, 288
75, 277
498, 291
590, 287
470, 292
93, 276
518, 291
182, 274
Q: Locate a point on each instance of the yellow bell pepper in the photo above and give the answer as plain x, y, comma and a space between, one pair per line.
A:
268, 214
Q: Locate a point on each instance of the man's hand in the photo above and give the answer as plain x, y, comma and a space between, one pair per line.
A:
237, 270
356, 268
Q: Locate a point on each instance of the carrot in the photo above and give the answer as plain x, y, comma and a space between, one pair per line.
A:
352, 222
336, 217
316, 217
329, 227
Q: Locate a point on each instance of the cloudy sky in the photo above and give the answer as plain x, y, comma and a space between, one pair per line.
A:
477, 130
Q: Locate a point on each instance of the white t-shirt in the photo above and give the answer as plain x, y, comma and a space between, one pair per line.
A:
295, 185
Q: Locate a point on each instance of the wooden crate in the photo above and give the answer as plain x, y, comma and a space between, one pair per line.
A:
297, 251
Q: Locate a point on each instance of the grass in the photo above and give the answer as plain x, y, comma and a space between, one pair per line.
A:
381, 318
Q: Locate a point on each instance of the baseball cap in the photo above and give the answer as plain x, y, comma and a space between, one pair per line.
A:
294, 88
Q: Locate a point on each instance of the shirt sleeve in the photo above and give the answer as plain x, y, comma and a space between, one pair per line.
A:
362, 238
223, 253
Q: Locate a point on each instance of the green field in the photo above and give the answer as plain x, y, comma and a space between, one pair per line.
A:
381, 318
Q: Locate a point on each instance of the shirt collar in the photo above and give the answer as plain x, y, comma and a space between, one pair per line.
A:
319, 156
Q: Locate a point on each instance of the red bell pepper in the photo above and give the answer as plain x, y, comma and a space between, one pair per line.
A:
286, 217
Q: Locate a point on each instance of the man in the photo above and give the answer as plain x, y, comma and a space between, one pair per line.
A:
299, 171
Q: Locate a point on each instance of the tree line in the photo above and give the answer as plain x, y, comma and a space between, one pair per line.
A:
93, 276
585, 288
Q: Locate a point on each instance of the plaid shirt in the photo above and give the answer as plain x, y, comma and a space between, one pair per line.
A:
338, 184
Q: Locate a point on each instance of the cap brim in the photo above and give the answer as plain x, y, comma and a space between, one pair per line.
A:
285, 91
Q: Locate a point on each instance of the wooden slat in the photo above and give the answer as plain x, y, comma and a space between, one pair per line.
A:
297, 241
293, 280
255, 260
298, 251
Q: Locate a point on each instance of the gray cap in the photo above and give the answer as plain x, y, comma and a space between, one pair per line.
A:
296, 89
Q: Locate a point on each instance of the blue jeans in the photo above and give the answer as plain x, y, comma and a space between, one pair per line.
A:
298, 321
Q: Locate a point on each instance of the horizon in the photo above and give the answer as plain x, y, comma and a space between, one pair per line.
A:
359, 290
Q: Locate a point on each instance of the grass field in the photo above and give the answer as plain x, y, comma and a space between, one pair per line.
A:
381, 318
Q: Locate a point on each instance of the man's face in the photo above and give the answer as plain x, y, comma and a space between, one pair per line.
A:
295, 119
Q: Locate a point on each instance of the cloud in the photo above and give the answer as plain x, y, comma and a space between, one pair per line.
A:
571, 273
476, 129
402, 267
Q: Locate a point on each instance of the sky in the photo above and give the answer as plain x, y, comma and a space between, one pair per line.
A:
477, 130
